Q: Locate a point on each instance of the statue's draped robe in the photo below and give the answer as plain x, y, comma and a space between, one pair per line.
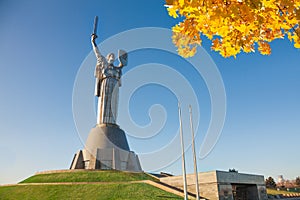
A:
107, 89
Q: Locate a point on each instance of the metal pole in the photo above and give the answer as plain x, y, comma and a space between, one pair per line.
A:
182, 154
194, 154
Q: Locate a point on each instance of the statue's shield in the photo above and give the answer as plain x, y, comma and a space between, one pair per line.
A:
123, 57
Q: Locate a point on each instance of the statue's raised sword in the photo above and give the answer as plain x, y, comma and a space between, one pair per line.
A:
95, 26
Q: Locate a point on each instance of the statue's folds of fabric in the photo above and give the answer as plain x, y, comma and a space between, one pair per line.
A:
107, 87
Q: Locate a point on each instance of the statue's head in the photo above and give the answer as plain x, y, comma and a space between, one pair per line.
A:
110, 58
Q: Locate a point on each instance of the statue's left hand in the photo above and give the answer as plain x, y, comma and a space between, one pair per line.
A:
123, 58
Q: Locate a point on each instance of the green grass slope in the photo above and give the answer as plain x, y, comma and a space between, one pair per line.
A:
112, 191
111, 185
88, 176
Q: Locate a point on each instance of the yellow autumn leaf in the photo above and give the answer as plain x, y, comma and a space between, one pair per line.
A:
297, 42
264, 48
297, 45
181, 3
172, 12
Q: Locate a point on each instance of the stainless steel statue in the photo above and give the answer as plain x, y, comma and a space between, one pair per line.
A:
106, 146
108, 81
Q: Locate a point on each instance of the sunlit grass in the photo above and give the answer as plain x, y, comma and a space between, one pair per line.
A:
88, 176
111, 191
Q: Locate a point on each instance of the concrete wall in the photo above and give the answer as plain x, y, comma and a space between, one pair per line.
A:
217, 185
225, 192
239, 178
262, 192
256, 188
118, 159
109, 158
77, 162
208, 184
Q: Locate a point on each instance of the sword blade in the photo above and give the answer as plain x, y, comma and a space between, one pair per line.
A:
95, 25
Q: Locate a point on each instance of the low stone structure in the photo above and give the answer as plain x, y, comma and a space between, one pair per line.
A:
221, 185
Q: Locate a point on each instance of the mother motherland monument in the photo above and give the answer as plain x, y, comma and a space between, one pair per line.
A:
106, 146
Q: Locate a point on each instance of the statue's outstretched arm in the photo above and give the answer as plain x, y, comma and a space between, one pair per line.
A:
95, 47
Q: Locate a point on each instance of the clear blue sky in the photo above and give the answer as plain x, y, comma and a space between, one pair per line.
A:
43, 44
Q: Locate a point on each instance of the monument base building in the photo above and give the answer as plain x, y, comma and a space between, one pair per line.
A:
106, 148
220, 185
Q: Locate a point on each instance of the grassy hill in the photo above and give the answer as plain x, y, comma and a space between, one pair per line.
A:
88, 191
88, 176
106, 185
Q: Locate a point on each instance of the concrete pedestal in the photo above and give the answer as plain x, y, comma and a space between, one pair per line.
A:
106, 148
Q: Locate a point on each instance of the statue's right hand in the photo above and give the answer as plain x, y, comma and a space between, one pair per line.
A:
94, 36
